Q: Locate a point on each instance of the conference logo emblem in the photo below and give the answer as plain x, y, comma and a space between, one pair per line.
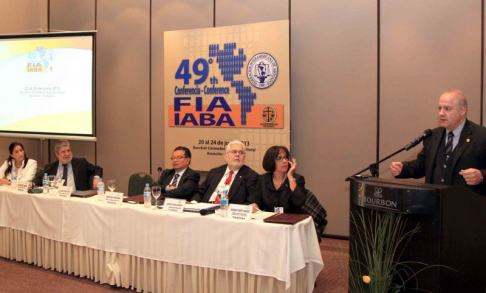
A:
40, 60
268, 115
262, 70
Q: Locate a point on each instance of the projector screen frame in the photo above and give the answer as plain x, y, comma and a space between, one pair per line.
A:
69, 136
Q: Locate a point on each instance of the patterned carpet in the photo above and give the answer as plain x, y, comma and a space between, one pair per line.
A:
334, 277
22, 277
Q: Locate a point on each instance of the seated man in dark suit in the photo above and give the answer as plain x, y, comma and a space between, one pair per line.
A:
181, 181
76, 172
236, 177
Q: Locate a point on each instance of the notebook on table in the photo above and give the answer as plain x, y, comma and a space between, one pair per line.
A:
286, 218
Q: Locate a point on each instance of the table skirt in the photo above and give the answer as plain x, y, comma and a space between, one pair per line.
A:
134, 272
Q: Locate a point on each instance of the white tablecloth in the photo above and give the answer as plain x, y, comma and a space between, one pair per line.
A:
212, 242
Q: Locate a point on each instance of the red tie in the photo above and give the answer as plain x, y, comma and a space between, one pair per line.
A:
228, 180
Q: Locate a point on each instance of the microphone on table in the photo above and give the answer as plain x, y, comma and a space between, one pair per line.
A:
49, 166
419, 139
205, 212
159, 169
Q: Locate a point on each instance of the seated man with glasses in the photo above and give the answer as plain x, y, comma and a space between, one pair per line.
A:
181, 181
236, 178
280, 188
76, 172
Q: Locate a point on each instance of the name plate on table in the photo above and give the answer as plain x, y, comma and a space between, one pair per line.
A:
22, 186
65, 191
174, 205
53, 191
240, 212
113, 197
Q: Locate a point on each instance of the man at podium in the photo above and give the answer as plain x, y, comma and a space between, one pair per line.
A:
455, 153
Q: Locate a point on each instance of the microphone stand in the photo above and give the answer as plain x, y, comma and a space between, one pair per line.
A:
374, 168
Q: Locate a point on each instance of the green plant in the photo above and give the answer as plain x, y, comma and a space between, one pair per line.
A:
375, 253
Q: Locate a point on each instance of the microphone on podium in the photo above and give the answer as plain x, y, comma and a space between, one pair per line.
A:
374, 167
419, 139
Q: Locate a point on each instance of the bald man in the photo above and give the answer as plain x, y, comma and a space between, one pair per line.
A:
455, 153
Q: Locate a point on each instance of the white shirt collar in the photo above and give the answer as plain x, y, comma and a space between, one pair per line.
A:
181, 172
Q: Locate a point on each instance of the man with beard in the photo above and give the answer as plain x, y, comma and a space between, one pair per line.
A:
239, 179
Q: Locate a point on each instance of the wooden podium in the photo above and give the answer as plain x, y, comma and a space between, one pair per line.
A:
452, 233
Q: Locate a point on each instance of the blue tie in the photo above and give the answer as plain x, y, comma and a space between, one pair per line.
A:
174, 183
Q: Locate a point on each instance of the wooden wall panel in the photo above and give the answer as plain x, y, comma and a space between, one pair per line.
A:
235, 12
333, 98
123, 75
427, 47
166, 16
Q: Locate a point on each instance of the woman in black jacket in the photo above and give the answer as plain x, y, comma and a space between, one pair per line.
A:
280, 187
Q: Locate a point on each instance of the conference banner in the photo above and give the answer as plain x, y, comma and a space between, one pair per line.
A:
223, 84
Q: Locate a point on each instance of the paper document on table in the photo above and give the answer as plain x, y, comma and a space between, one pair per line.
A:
196, 207
260, 215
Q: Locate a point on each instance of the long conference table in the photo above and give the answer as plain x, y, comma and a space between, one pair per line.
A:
149, 250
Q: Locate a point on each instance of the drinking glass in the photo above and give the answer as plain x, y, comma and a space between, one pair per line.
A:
52, 181
112, 185
156, 191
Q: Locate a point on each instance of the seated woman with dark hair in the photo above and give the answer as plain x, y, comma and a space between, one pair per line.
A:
280, 186
17, 163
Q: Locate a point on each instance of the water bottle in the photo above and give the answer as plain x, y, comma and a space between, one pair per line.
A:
223, 202
147, 200
45, 184
14, 179
101, 190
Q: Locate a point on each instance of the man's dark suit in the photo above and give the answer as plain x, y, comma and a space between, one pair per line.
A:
83, 171
470, 152
241, 189
188, 183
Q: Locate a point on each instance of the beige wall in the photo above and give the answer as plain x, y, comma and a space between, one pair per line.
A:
346, 90
333, 80
423, 53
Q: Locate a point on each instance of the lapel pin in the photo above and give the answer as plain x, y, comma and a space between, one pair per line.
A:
468, 140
